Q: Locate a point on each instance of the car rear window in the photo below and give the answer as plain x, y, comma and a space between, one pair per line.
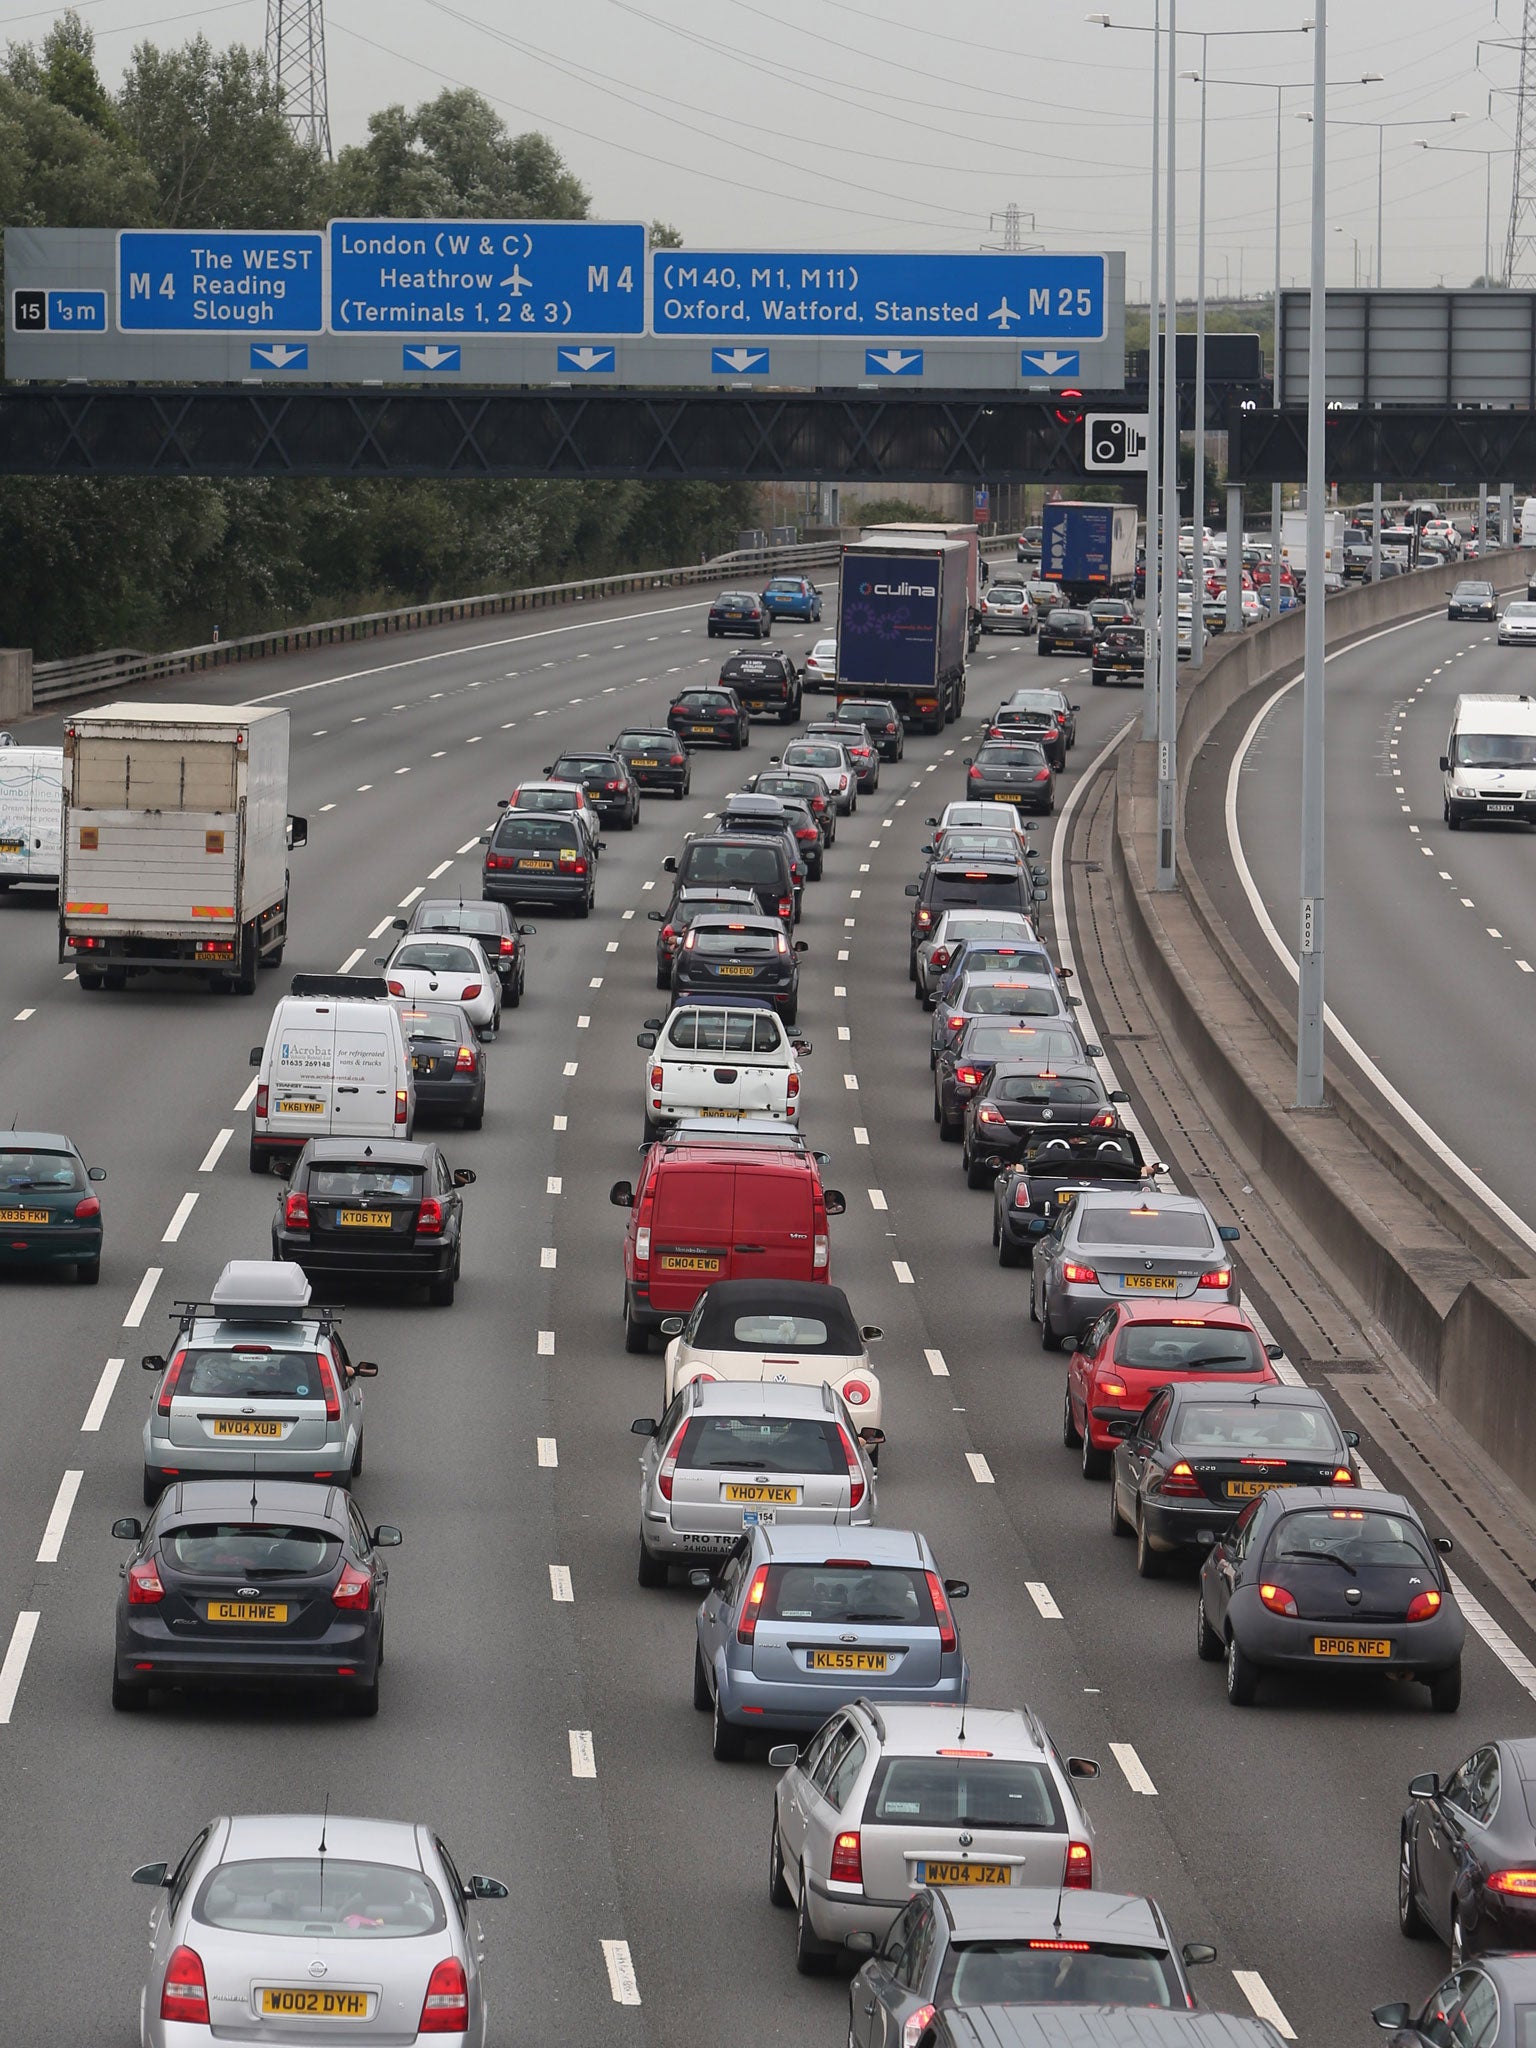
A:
1009, 1002
1048, 1971
1358, 1535
722, 943
737, 1031
647, 742
527, 831
778, 1333
733, 867
463, 917
976, 891
1006, 959
330, 1896
1011, 753
963, 1792
838, 1593
351, 1183
545, 800
1021, 1042
704, 700
434, 1024
1044, 1088
438, 959
1246, 1428
29, 1169
247, 1374
1183, 1230
1172, 1347
250, 1549
974, 843
763, 1443
577, 765
816, 757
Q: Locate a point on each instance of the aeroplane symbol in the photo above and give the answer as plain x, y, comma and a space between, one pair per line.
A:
517, 284
1003, 315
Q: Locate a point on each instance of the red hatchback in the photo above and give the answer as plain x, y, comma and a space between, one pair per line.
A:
1136, 1347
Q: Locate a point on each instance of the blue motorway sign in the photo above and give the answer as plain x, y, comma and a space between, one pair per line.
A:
879, 296
486, 277
216, 280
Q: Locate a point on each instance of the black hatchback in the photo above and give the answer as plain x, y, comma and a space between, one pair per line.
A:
880, 719
447, 1061
1011, 771
611, 790
385, 1209
1120, 654
1023, 1100
712, 714
739, 611
251, 1583
746, 955
539, 857
655, 759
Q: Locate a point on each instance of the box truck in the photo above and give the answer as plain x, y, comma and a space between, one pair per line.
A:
903, 621
1089, 550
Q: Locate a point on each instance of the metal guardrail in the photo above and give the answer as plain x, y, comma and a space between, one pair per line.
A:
54, 682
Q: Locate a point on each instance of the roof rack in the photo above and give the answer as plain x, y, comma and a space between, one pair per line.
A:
258, 1291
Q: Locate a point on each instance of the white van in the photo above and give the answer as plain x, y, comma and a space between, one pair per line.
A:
1489, 765
335, 1064
31, 814
1528, 523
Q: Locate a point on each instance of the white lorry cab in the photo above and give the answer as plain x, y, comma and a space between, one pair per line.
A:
714, 1057
335, 1065
1488, 768
31, 814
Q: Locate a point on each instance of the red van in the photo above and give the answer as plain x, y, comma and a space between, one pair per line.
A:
740, 1204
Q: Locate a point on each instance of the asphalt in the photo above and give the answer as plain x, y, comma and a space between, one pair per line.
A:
1270, 1831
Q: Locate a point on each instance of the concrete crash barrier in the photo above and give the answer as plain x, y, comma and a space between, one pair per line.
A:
1451, 1287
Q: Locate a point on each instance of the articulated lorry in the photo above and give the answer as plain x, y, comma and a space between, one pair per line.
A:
969, 534
175, 842
903, 624
1089, 550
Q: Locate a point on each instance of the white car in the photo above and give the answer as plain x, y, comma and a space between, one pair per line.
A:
966, 814
556, 796
831, 760
1442, 535
712, 1059
450, 968
935, 949
1517, 624
820, 672
1005, 607
793, 1332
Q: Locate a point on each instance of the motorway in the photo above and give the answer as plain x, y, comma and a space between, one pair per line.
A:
536, 1700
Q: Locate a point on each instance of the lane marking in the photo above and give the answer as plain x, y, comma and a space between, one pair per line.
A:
409, 898
547, 1256
178, 1222
402, 771
844, 1034
381, 928
363, 788
876, 1198
1514, 1660
570, 1068
103, 1394
22, 1016
560, 1583
141, 1300
16, 1661
469, 845
860, 1135
546, 1343
548, 1455
1262, 1999
351, 960
843, 953
248, 1094
936, 1363
1137, 1776
613, 944
559, 1123
441, 869
1492, 932
981, 1472
58, 1518
622, 1981
851, 1081
583, 1023
553, 1185
596, 981
215, 1151
902, 1271
1524, 966
1040, 1593
583, 1761
838, 989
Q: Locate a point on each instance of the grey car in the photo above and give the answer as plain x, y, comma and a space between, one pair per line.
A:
1027, 991
1104, 1248
935, 950
258, 1381
885, 1800
798, 1621
363, 1927
733, 1455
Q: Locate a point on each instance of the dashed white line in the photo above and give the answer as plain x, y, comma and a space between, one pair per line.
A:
351, 960
553, 1184
469, 845
622, 1981
559, 1123
363, 788
16, 1661
854, 895
863, 870
546, 1343
1524, 966
380, 929
1262, 1999
596, 981
560, 1582
441, 869
548, 1454
1137, 1776
142, 1298
178, 1222
441, 754
247, 1094
612, 946
842, 953
877, 1198
22, 1016
936, 1364
402, 771
327, 807
851, 1081
838, 989
215, 1151
570, 1068
860, 1135
1040, 1593
95, 1414
58, 1518
902, 1271
981, 1471
583, 1023
1493, 932
849, 923
475, 737
583, 1762
1467, 902
844, 1034
546, 1256
408, 898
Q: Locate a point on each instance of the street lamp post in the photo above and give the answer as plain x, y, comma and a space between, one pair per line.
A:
1381, 127
1487, 155
1310, 995
1168, 595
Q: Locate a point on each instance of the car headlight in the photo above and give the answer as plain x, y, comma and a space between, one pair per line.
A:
1459, 789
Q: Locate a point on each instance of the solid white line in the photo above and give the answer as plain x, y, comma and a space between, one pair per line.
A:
58, 1519
876, 1198
1137, 1775
902, 1271
981, 1471
409, 898
560, 1582
583, 1762
178, 1222
546, 1256
215, 1151
16, 1661
548, 1455
622, 1981
441, 869
247, 1095
1040, 1593
1262, 1999
141, 1300
351, 960
936, 1363
102, 1395
469, 846
546, 1343
1514, 1660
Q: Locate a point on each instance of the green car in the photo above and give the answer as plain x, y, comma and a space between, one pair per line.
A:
49, 1212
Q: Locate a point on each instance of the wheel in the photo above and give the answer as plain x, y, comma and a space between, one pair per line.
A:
88, 1271
664, 977
778, 1890
1095, 1463
514, 994
636, 1336
88, 977
117, 978
441, 1292
701, 1697
919, 993
1050, 1336
1069, 1431
1008, 1253
1118, 1525
1453, 821
1149, 1564
737, 743
275, 957
649, 1131
810, 1952
1207, 1642
129, 1699
475, 1119
152, 1488
357, 1460
977, 1175
1409, 1918
651, 1571
256, 1159
729, 1744
1242, 1675
362, 1701
791, 1016
245, 979
587, 904
911, 959
1445, 1689
951, 1134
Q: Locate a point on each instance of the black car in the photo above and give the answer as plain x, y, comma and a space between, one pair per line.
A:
765, 682
809, 834
862, 751
1049, 1172
964, 1063
686, 905
1011, 771
539, 857
1120, 654
611, 790
1472, 601
1111, 611
49, 1209
500, 936
1487, 2003
790, 785
1044, 715
1466, 1851
947, 886
739, 611
751, 815
447, 1061
1066, 631
1383, 1605
1023, 1101
382, 1208
710, 714
1196, 1455
742, 860
655, 760
251, 1583
748, 956
880, 719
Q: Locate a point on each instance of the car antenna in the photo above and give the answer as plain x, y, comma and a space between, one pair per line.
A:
325, 1821
1060, 1894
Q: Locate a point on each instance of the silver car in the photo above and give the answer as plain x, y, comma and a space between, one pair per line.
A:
1105, 1247
1517, 624
885, 1800
1031, 992
733, 1455
362, 1927
831, 760
258, 1381
935, 948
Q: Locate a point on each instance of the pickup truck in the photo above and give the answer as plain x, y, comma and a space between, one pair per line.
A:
723, 1057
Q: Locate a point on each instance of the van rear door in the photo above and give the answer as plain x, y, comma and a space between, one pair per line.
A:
302, 1058
691, 1232
774, 1222
368, 1073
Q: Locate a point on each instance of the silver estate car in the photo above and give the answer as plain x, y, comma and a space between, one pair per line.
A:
363, 1928
1106, 1247
885, 1800
797, 1622
733, 1455
936, 947
258, 1381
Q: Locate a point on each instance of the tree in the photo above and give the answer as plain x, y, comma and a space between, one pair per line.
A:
64, 71
664, 236
57, 171
454, 159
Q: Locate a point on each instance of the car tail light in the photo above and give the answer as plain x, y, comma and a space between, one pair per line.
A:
1520, 1884
855, 1470
144, 1587
819, 1252
916, 2025
1113, 1390
396, 988
1061, 718
956, 1022
941, 1611
1104, 1121
1021, 1194
668, 938
354, 1589
498, 860
1181, 1481
445, 2009
857, 1393
690, 940
1219, 1276
184, 1994
1079, 1874
1277, 1599
168, 1384
847, 1865
1079, 1276
87, 1207
1423, 1606
465, 1063
507, 946
296, 1212
429, 1217
678, 761
613, 785
818, 803
469, 991
746, 1627
786, 906
967, 1077
677, 711
939, 957
656, 1081
807, 832
1342, 1476
573, 863
974, 775
642, 1244
990, 1116
328, 1388
668, 1466
924, 919
1042, 775
402, 1106
792, 1087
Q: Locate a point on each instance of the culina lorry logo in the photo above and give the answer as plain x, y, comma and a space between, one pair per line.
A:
898, 589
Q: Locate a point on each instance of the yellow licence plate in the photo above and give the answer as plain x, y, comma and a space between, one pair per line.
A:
1351, 1646
12, 845
686, 1262
963, 1873
316, 2005
242, 1425
846, 1660
722, 1112
647, 761
1150, 1283
365, 1219
1245, 1489
247, 1610
701, 728
763, 1496
301, 1108
535, 863
23, 1215
1008, 796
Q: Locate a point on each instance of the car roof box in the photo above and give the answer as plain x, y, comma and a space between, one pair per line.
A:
260, 1291
339, 985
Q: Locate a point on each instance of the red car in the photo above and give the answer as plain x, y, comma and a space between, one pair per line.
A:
1136, 1347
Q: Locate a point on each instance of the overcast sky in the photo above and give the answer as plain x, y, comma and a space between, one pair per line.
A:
896, 124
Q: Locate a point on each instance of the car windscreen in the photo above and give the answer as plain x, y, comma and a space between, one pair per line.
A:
739, 1031
249, 1374
841, 1593
25, 1168
733, 867
1360, 1536
1048, 1971
356, 1182
527, 832
734, 942
1056, 1088
978, 890
763, 1443
330, 1896
250, 1549
992, 999
1187, 1347
1245, 1428
438, 959
1495, 750
438, 1025
962, 1792
1184, 1230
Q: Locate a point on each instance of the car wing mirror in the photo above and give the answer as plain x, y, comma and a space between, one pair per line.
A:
967, 761
912, 889
957, 1589
95, 1173
155, 1874
400, 924
1390, 2017
669, 865
871, 1332
802, 1046
930, 821
1038, 1226
1118, 1095
701, 1581
298, 831
646, 1040
365, 1369
127, 1529
485, 1888
1197, 1952
1444, 1545
801, 946
255, 1055
861, 1942
1425, 1786
872, 1436
673, 1326
485, 838
622, 1195
1352, 1438
503, 803
1122, 1426
655, 916
527, 931
387, 1537
1229, 1233
644, 1425
1445, 763
835, 1202
1082, 1767
153, 1361
464, 1176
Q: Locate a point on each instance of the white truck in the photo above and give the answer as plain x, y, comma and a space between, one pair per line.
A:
1293, 542
31, 813
175, 842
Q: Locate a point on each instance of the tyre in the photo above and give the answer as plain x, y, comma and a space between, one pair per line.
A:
1095, 1463
976, 1174
778, 1890
1069, 1430
791, 1016
1118, 1525
153, 1488
88, 1271
245, 979
256, 1159
587, 904
1207, 1643
475, 1119
88, 977
514, 995
1149, 1563
1453, 821
362, 1701
1409, 1919
650, 1571
951, 1134
737, 743
1242, 1675
357, 1460
1008, 1253
911, 960
441, 1292
810, 1951
664, 977
702, 1701
789, 714
129, 1699
1050, 1336
728, 1744
1445, 1689
636, 1336
116, 978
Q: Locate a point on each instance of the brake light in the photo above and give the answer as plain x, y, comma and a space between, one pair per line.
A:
87, 1207
917, 2026
957, 1021
669, 938
677, 711
507, 946
1079, 1276
354, 1589
746, 1627
855, 1470
1114, 1390
1071, 1948
144, 1587
968, 1077
1342, 1476
396, 988
1180, 1480
402, 1106
328, 1388
786, 906
665, 1475
1042, 775
261, 1098
941, 1611
1079, 1877
1219, 1276
184, 1994
445, 2009
1021, 1194
847, 1865
939, 957
613, 785
1420, 1608
806, 832
924, 919
856, 1393
296, 1212
465, 1063
974, 776
168, 1384
990, 1116
498, 860
691, 940
429, 1217
792, 1087
1277, 1599
819, 1252
468, 993
678, 761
